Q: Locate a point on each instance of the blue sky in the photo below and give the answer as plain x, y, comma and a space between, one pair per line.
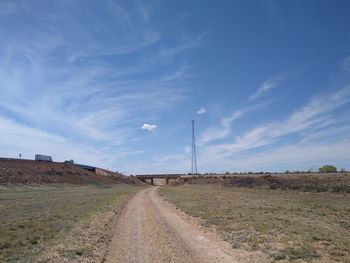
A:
116, 83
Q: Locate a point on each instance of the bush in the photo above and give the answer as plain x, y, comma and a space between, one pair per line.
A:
328, 169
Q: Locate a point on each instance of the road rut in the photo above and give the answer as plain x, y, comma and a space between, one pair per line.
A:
152, 230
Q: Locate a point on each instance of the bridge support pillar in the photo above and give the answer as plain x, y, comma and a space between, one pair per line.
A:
166, 180
152, 181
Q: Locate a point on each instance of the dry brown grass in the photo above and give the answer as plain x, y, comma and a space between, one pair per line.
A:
287, 225
308, 182
35, 218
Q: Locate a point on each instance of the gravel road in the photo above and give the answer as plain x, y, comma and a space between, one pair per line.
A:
152, 230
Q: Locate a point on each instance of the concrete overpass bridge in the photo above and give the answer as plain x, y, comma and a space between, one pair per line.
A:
149, 178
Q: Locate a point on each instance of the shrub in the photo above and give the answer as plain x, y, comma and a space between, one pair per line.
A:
328, 169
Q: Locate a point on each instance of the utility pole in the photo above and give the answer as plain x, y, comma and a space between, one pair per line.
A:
194, 157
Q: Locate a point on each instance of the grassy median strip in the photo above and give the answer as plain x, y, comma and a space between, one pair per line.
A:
287, 225
33, 218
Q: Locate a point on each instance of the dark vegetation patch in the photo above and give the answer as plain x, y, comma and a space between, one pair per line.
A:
308, 182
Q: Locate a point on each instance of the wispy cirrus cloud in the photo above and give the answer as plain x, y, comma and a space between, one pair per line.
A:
60, 79
216, 133
345, 64
318, 115
317, 129
265, 88
146, 9
29, 140
166, 54
286, 157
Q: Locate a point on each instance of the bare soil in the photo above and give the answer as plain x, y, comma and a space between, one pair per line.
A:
15, 171
152, 230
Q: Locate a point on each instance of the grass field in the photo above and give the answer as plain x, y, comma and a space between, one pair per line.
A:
34, 218
287, 225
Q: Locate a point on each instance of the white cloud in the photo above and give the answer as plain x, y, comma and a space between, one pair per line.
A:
321, 126
264, 88
19, 138
61, 76
149, 127
317, 114
227, 121
221, 132
202, 111
298, 156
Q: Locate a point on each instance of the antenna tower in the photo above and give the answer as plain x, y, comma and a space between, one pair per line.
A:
194, 156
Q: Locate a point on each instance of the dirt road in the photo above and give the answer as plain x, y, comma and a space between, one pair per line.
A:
151, 230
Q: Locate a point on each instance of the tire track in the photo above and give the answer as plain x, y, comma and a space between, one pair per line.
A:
152, 230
